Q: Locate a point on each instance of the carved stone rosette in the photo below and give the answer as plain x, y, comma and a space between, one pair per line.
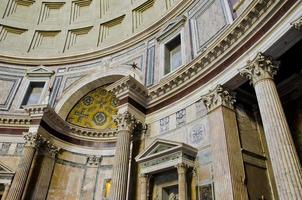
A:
93, 160
125, 121
262, 67
33, 140
218, 97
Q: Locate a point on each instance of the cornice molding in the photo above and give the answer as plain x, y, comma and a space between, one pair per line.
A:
13, 120
129, 87
229, 39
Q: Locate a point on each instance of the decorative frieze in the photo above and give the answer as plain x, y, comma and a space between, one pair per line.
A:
261, 67
219, 96
180, 117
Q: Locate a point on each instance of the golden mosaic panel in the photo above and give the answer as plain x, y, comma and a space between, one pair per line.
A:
95, 110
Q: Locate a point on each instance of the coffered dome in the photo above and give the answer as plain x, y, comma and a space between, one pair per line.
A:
43, 29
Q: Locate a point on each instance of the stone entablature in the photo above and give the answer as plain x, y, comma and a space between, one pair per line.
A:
162, 155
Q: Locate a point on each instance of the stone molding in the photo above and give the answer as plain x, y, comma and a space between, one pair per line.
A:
36, 110
297, 24
219, 96
129, 87
93, 160
125, 121
260, 68
33, 140
226, 41
13, 120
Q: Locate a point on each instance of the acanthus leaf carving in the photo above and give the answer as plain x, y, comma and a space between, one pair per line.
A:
219, 96
260, 68
125, 121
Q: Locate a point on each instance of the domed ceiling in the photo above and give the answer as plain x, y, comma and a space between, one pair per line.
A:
95, 110
66, 27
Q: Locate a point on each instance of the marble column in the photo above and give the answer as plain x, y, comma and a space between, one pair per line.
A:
125, 123
91, 177
284, 158
46, 168
144, 186
6, 189
33, 141
182, 182
228, 168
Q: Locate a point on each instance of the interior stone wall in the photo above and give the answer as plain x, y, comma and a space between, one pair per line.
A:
73, 178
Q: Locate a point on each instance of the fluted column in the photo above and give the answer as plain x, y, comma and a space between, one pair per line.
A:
6, 189
125, 123
284, 158
43, 181
182, 183
144, 186
33, 141
228, 170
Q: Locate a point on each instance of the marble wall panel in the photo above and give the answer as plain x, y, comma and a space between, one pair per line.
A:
9, 85
206, 22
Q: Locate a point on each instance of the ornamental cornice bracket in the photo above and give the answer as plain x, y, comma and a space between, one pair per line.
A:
37, 110
297, 24
219, 96
125, 121
260, 68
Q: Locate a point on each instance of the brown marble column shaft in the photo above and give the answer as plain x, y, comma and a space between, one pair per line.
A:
33, 141
182, 183
284, 158
125, 123
42, 184
228, 168
144, 186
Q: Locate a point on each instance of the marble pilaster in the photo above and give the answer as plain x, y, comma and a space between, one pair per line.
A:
182, 182
6, 189
46, 168
93, 162
144, 186
33, 141
125, 123
284, 159
228, 173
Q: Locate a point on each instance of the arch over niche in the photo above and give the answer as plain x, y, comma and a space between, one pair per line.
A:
79, 90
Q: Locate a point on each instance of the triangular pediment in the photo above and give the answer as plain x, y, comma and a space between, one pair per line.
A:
5, 169
39, 71
171, 27
158, 147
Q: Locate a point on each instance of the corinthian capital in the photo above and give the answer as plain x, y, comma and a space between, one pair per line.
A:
262, 67
33, 140
219, 96
297, 24
125, 121
51, 149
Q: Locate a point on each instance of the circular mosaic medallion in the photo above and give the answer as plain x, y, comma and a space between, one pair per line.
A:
87, 100
99, 118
